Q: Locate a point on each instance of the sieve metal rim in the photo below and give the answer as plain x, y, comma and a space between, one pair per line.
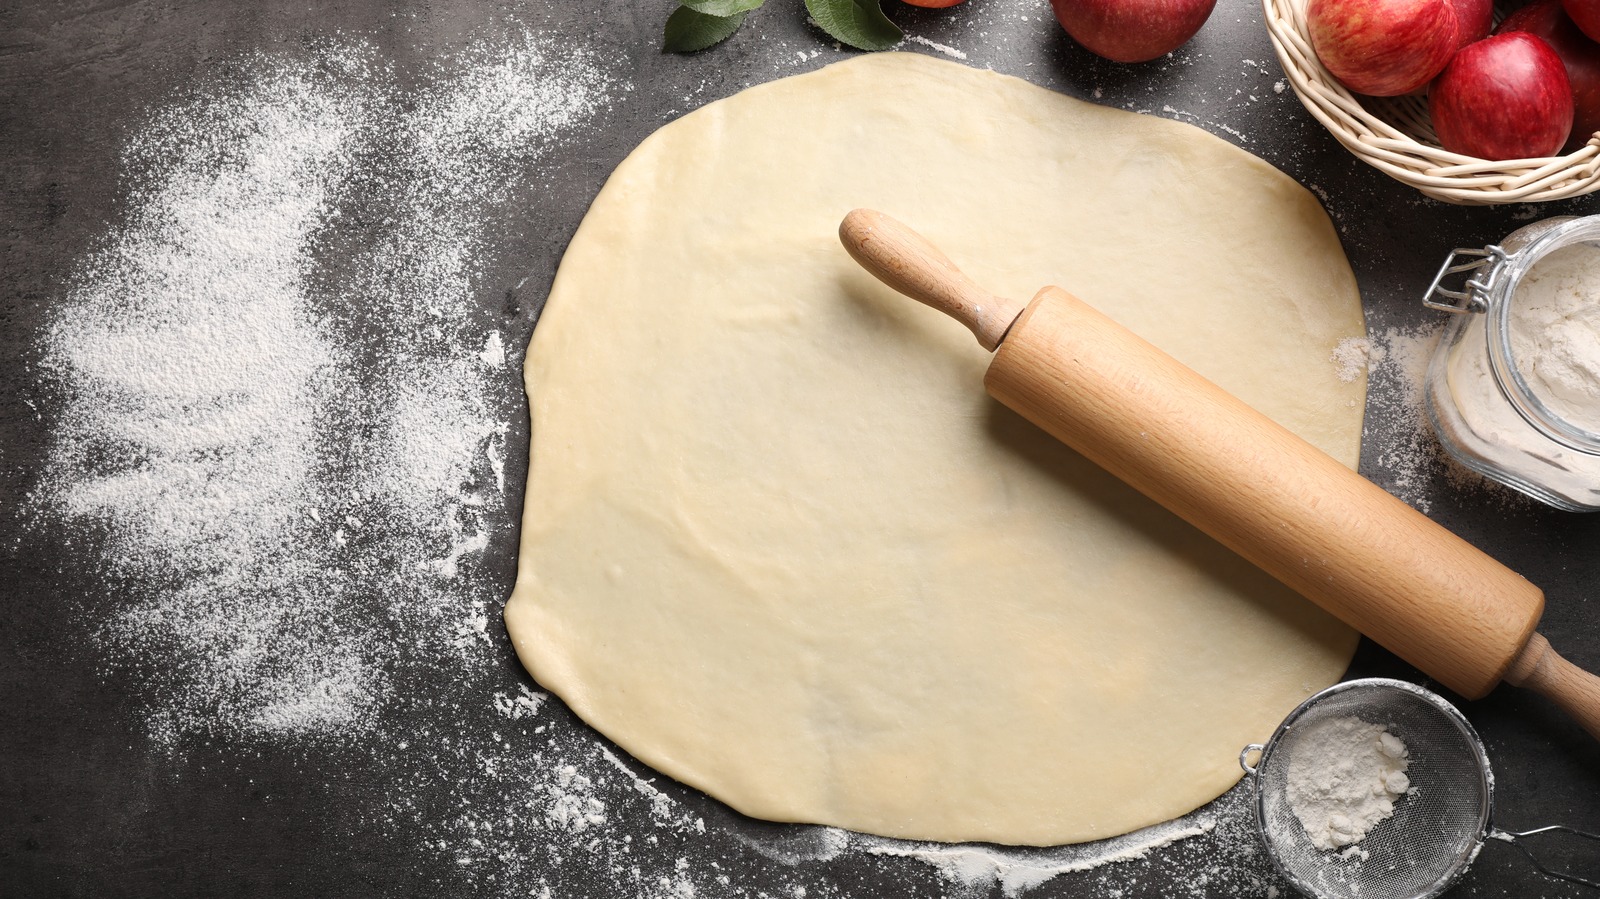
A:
1486, 777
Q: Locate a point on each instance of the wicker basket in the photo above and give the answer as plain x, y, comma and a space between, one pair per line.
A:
1393, 134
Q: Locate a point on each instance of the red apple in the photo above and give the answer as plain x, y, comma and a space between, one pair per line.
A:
1586, 15
1504, 97
1384, 48
1580, 55
1132, 30
1475, 18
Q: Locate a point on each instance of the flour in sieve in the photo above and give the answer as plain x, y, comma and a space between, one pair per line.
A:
1345, 776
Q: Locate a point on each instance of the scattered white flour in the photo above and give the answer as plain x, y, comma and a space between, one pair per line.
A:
573, 805
660, 804
1344, 777
1351, 357
525, 704
224, 429
1555, 332
494, 350
981, 868
1397, 435
935, 45
801, 845
1214, 851
195, 374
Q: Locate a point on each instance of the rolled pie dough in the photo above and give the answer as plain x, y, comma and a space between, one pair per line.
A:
779, 544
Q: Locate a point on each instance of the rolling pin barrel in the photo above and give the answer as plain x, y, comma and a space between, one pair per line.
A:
1337, 538
1321, 528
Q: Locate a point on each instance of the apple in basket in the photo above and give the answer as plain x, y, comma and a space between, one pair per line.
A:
1383, 48
1578, 53
1474, 19
1504, 97
1132, 30
1586, 13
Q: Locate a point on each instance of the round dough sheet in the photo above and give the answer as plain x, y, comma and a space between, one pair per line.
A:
780, 545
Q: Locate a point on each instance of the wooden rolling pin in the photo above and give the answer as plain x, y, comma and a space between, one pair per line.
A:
1382, 567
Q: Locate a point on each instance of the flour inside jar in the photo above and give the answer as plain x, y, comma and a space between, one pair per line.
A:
1555, 333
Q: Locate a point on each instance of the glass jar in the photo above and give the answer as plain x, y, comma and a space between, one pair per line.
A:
1508, 389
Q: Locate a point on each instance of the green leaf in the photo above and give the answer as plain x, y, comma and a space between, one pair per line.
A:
722, 7
688, 30
859, 23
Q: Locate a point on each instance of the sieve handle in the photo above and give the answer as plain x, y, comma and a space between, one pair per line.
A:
1541, 669
1255, 749
1515, 838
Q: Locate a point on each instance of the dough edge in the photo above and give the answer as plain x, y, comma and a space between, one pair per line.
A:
522, 615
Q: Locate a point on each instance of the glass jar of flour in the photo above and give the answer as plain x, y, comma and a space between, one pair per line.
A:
1513, 390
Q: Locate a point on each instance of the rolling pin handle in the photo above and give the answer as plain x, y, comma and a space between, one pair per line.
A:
909, 263
1541, 669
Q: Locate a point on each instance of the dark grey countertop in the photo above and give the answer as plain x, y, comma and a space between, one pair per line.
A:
92, 803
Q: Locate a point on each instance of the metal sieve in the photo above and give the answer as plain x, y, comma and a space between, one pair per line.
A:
1437, 827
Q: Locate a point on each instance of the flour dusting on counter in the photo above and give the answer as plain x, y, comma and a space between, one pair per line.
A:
262, 463
1212, 851
194, 371
946, 49
980, 869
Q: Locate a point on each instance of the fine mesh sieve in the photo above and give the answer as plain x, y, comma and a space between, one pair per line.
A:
1437, 827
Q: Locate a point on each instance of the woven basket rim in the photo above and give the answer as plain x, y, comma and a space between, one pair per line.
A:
1400, 141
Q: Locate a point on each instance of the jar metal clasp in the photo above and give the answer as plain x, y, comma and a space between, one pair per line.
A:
1486, 265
